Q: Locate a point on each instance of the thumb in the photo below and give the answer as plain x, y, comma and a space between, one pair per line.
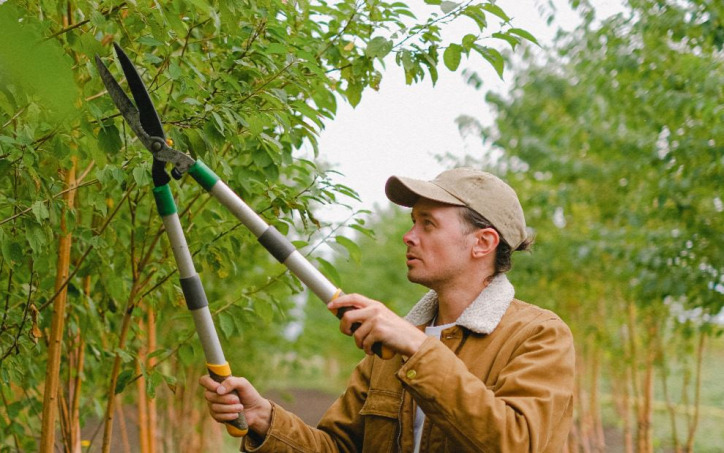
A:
226, 386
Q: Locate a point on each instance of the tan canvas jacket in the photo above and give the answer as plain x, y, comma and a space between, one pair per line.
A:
500, 380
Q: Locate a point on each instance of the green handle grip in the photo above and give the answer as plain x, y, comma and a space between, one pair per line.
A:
238, 427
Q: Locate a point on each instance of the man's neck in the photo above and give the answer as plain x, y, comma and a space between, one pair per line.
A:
453, 301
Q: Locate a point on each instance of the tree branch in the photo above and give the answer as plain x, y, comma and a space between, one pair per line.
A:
83, 22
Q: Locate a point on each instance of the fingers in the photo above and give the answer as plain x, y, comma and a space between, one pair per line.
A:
351, 301
222, 398
225, 412
365, 319
370, 322
360, 309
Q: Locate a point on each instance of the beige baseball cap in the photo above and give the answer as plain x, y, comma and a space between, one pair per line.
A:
480, 191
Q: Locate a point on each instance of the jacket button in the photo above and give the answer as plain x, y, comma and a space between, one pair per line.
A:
411, 374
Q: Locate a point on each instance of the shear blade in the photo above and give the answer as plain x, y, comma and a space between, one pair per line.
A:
148, 115
124, 104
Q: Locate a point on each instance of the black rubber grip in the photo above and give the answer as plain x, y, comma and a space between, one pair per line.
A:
194, 292
278, 245
377, 347
240, 423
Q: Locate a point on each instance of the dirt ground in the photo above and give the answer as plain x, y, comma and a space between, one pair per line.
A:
309, 405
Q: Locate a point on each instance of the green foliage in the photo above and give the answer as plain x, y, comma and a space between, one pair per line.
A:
630, 125
615, 144
242, 85
28, 63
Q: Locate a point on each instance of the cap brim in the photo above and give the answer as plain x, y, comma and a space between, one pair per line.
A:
406, 192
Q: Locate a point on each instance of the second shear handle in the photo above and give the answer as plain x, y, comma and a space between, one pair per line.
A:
195, 297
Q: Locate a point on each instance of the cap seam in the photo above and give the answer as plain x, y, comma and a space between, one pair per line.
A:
454, 195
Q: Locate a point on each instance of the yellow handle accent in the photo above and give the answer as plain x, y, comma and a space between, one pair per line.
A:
221, 370
236, 432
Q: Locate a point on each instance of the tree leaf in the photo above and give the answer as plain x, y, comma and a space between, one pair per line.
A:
524, 34
452, 56
448, 6
226, 324
496, 10
124, 378
493, 56
40, 210
378, 47
354, 94
512, 40
329, 270
352, 248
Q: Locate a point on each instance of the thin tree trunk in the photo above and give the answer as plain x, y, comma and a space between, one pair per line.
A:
108, 424
638, 391
123, 427
147, 419
64, 421
622, 400
584, 416
152, 414
630, 389
670, 407
142, 400
646, 414
697, 392
79, 358
75, 397
55, 345
71, 406
599, 441
628, 441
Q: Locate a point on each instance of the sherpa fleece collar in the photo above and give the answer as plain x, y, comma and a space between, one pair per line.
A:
482, 316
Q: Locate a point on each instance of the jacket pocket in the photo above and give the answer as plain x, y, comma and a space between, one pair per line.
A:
381, 412
382, 403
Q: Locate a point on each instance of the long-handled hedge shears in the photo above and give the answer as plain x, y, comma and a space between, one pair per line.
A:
146, 124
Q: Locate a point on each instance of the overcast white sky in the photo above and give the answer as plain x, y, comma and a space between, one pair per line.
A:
399, 129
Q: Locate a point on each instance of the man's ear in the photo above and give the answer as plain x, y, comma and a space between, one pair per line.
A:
486, 241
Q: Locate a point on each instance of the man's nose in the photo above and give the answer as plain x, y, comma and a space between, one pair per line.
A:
409, 238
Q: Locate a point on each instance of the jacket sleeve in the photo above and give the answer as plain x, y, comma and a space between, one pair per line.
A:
532, 395
340, 430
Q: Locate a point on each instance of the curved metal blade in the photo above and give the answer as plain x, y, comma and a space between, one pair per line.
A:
150, 121
124, 104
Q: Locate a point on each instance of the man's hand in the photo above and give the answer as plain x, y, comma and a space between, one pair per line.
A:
234, 395
377, 323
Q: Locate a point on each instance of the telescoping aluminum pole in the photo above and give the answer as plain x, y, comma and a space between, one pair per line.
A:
276, 243
195, 296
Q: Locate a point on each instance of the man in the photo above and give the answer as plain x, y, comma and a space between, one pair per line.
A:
475, 370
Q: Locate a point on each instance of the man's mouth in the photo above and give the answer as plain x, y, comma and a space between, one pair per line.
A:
410, 258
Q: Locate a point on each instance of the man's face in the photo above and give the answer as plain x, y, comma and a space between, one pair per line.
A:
438, 246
